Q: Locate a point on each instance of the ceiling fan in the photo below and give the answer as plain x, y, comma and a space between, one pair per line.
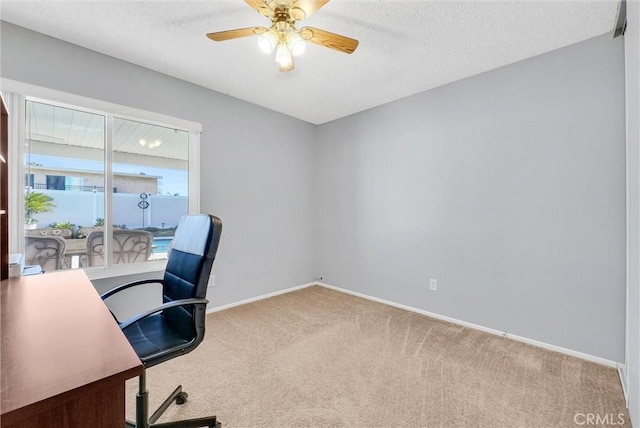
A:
283, 36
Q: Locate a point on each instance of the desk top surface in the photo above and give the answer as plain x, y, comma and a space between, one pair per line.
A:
57, 336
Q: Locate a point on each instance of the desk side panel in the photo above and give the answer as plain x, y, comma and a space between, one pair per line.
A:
97, 406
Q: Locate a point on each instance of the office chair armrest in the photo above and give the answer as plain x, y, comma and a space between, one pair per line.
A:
181, 302
121, 287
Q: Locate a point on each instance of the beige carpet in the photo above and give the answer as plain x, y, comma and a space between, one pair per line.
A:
320, 358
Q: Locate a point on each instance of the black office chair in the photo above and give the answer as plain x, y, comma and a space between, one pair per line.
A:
177, 326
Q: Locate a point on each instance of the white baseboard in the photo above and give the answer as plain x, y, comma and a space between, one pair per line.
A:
622, 373
261, 297
508, 335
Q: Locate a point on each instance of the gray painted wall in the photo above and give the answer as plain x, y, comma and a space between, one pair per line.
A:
508, 187
632, 69
254, 164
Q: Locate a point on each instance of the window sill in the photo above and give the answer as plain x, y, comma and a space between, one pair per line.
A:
126, 269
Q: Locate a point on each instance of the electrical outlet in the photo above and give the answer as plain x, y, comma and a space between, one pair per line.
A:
212, 280
433, 284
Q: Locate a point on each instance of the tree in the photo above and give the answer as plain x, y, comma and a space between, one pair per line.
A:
36, 202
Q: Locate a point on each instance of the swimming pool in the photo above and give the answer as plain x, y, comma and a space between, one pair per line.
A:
161, 244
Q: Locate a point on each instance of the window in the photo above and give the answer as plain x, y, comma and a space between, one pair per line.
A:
112, 186
73, 183
56, 182
29, 180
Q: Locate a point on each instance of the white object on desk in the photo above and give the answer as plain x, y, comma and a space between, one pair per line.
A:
32, 270
16, 264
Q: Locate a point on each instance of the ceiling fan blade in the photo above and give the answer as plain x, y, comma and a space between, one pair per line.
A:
260, 6
329, 40
221, 36
302, 9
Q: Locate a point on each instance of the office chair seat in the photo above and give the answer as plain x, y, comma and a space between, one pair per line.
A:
153, 335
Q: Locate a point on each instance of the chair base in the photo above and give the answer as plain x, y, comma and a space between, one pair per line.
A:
192, 423
179, 397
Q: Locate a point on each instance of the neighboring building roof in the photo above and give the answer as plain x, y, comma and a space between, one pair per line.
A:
87, 171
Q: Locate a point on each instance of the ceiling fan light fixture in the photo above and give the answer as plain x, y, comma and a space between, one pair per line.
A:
283, 36
295, 43
283, 56
267, 42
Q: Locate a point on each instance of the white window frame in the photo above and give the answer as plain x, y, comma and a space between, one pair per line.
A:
110, 111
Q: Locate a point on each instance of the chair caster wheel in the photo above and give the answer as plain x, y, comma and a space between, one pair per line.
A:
182, 398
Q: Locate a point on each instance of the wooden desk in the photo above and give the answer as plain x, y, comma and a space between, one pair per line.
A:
64, 359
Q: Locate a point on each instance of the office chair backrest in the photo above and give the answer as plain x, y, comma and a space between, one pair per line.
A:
46, 251
187, 273
128, 246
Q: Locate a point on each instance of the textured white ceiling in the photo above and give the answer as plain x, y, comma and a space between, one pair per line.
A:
406, 46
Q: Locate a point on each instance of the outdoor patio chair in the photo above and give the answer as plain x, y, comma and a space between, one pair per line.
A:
128, 246
46, 251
